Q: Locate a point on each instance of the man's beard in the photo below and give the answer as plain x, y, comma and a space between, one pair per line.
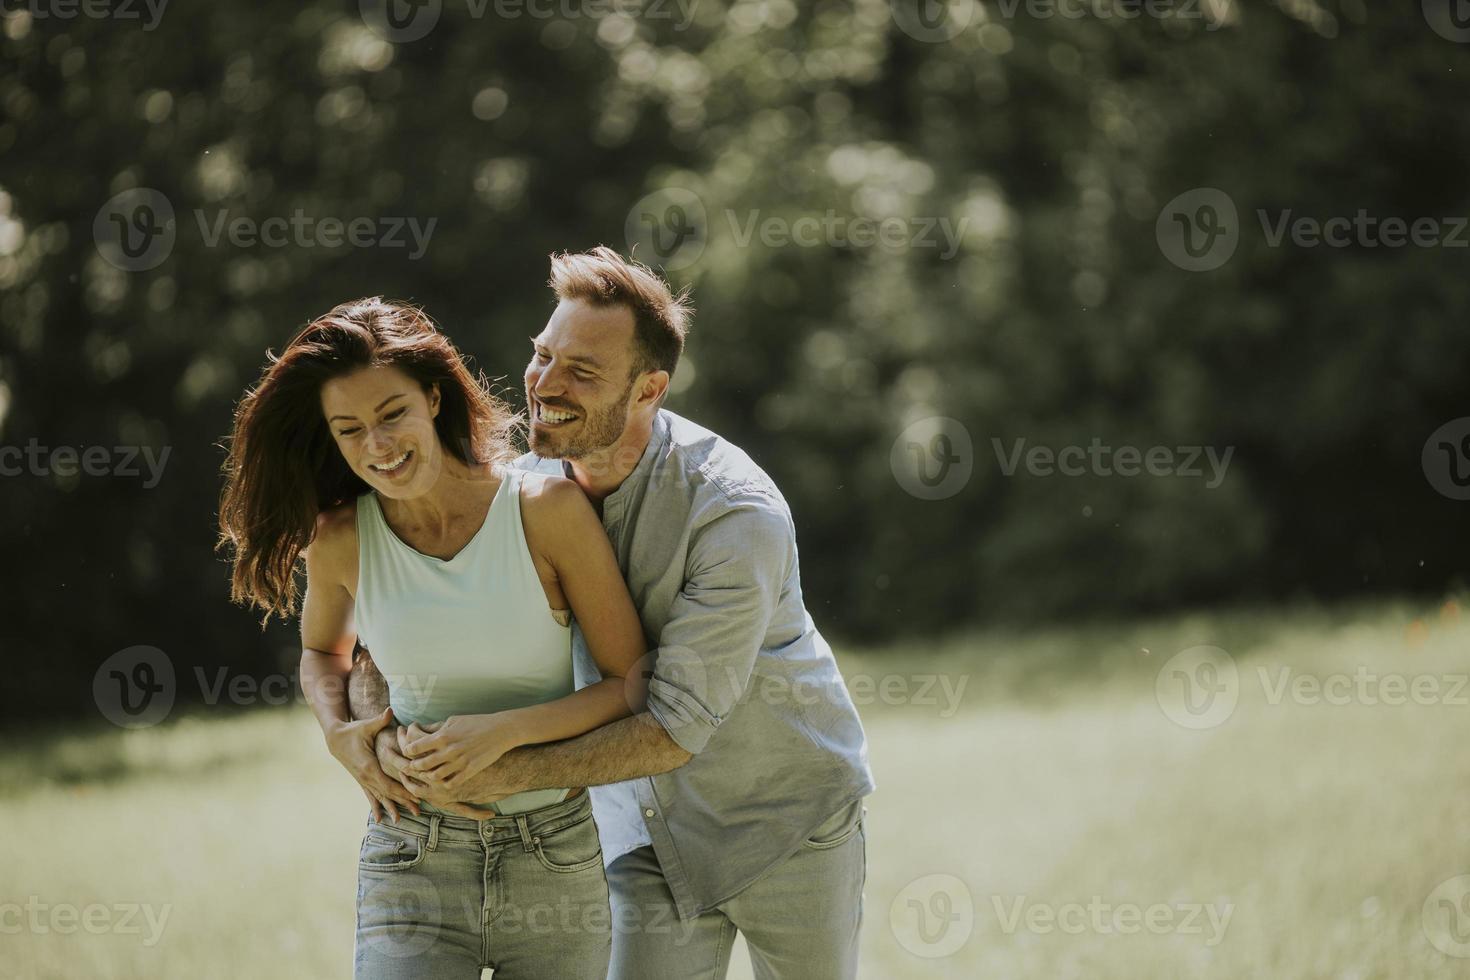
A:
597, 431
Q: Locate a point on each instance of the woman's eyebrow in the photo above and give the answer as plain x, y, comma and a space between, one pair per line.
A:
379, 408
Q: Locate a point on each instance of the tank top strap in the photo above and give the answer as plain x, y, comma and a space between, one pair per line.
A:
503, 558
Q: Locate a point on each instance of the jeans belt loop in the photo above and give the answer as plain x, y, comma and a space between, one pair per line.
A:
524, 828
434, 821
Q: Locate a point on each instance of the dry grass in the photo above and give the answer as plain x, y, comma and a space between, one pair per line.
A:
1320, 828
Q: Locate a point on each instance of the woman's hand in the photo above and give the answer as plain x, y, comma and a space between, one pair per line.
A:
352, 744
445, 756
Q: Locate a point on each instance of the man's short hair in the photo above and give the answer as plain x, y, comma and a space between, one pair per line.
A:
602, 277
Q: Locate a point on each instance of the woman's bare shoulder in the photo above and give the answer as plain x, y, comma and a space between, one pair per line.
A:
554, 508
551, 496
334, 545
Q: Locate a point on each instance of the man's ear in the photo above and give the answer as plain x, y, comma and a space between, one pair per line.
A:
433, 394
653, 388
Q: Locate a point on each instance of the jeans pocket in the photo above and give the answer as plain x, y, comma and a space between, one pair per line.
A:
387, 849
570, 849
839, 829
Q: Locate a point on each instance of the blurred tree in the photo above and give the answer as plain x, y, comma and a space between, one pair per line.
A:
1025, 158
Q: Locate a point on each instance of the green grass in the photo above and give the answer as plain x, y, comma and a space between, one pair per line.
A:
1322, 827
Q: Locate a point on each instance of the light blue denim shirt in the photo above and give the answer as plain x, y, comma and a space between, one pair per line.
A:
741, 678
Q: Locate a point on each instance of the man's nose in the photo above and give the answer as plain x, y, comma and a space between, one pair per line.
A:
548, 382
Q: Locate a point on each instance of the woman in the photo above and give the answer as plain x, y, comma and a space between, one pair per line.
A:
368, 448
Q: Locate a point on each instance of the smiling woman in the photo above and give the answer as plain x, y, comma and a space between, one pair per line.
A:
370, 451
285, 468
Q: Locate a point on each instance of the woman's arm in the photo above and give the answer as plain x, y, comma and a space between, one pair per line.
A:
578, 566
327, 640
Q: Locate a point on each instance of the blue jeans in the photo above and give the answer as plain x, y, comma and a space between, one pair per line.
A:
439, 897
800, 920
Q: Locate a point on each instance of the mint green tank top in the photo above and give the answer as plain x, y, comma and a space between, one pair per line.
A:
470, 635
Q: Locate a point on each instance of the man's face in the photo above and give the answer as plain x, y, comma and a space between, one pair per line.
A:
580, 380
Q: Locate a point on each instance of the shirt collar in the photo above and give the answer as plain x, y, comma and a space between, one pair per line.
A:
657, 440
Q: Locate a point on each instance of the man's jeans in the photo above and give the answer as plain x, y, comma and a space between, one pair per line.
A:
440, 897
800, 919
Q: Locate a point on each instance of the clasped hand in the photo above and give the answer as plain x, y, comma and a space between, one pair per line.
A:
438, 762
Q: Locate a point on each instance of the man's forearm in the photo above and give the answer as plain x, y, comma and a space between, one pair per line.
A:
626, 749
367, 691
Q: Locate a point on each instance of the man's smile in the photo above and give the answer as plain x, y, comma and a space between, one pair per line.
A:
546, 415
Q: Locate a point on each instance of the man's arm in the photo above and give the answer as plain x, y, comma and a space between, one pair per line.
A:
707, 650
626, 749
367, 697
367, 691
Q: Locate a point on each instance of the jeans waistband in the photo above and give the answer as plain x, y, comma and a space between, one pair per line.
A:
439, 828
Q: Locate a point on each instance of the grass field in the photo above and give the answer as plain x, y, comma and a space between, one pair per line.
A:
1054, 821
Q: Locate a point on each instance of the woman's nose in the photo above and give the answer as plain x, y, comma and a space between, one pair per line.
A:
379, 441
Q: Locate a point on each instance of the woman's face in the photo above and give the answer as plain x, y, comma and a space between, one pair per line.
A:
383, 421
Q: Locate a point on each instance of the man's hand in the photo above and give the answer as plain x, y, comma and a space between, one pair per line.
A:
457, 749
395, 763
490, 784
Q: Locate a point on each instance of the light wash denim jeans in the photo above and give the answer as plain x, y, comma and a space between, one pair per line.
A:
439, 897
800, 920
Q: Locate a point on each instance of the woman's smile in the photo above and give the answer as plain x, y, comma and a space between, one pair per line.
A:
393, 468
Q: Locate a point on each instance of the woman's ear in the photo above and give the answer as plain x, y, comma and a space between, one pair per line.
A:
434, 400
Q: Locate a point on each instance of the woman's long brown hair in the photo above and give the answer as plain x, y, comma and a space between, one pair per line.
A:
284, 468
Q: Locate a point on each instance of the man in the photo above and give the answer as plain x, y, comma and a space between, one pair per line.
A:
733, 803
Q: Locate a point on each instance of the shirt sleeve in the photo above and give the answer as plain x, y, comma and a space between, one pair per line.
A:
736, 569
